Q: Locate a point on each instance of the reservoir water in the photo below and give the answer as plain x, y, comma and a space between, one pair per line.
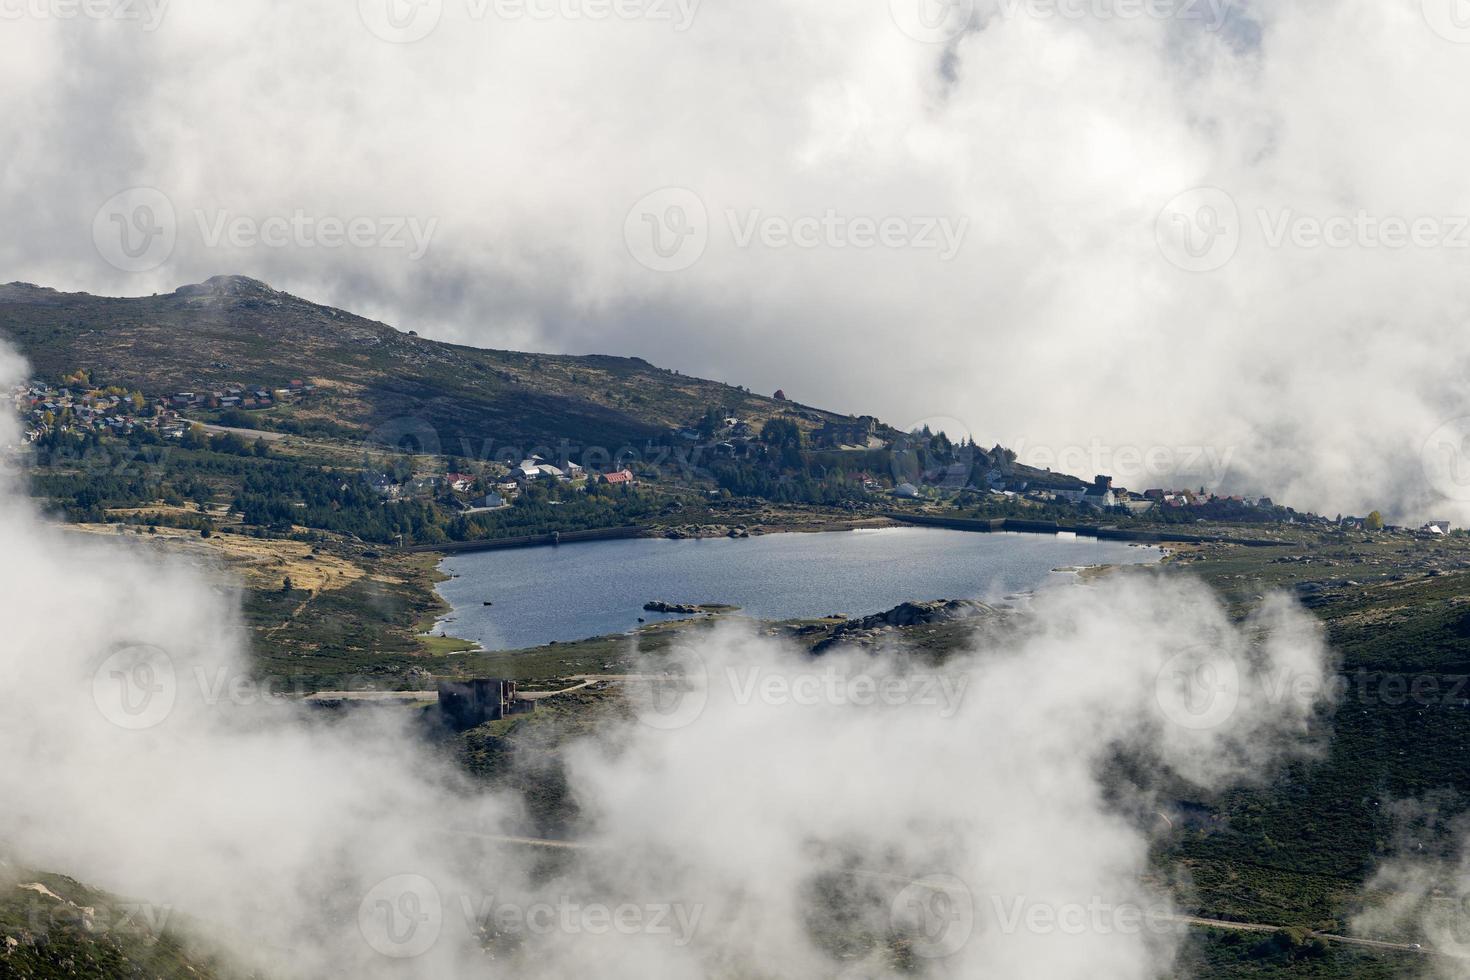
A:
578, 591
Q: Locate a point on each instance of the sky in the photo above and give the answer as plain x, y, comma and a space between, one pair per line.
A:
1206, 242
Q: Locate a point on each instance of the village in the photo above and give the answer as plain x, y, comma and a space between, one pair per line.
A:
925, 469
77, 406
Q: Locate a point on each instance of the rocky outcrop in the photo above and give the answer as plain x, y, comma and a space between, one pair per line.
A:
672, 608
687, 609
868, 629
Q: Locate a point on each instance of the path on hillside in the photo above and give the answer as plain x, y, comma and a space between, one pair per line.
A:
1187, 920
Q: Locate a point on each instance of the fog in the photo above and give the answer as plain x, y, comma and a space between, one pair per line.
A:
762, 814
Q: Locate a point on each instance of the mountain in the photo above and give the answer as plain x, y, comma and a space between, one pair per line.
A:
232, 330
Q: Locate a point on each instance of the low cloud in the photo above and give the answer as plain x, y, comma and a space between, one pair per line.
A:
768, 813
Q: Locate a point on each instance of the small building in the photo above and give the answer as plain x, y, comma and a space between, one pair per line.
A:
469, 704
1100, 494
620, 478
847, 432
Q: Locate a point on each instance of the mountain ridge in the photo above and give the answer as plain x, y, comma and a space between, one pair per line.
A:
238, 330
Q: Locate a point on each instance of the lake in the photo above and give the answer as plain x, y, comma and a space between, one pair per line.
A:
578, 591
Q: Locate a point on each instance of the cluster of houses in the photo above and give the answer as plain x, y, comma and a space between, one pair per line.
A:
733, 438
44, 407
241, 396
500, 485
1100, 495
737, 438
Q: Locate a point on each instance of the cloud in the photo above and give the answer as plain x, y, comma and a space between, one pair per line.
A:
1058, 132
764, 815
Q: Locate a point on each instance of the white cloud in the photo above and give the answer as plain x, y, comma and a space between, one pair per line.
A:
1322, 370
724, 829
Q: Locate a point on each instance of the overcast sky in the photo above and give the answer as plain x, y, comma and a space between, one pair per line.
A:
1220, 240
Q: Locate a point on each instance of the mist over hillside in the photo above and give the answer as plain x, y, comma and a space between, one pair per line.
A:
713, 818
1307, 331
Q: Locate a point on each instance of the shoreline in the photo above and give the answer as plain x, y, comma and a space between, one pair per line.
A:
442, 627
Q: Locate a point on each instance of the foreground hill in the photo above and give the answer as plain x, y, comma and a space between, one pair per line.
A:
234, 330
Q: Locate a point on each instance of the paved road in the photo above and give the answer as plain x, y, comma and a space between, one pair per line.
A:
423, 697
251, 434
1188, 920
379, 697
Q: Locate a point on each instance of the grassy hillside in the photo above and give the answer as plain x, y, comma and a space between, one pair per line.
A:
237, 330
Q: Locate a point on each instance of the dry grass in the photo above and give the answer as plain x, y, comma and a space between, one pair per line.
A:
262, 563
